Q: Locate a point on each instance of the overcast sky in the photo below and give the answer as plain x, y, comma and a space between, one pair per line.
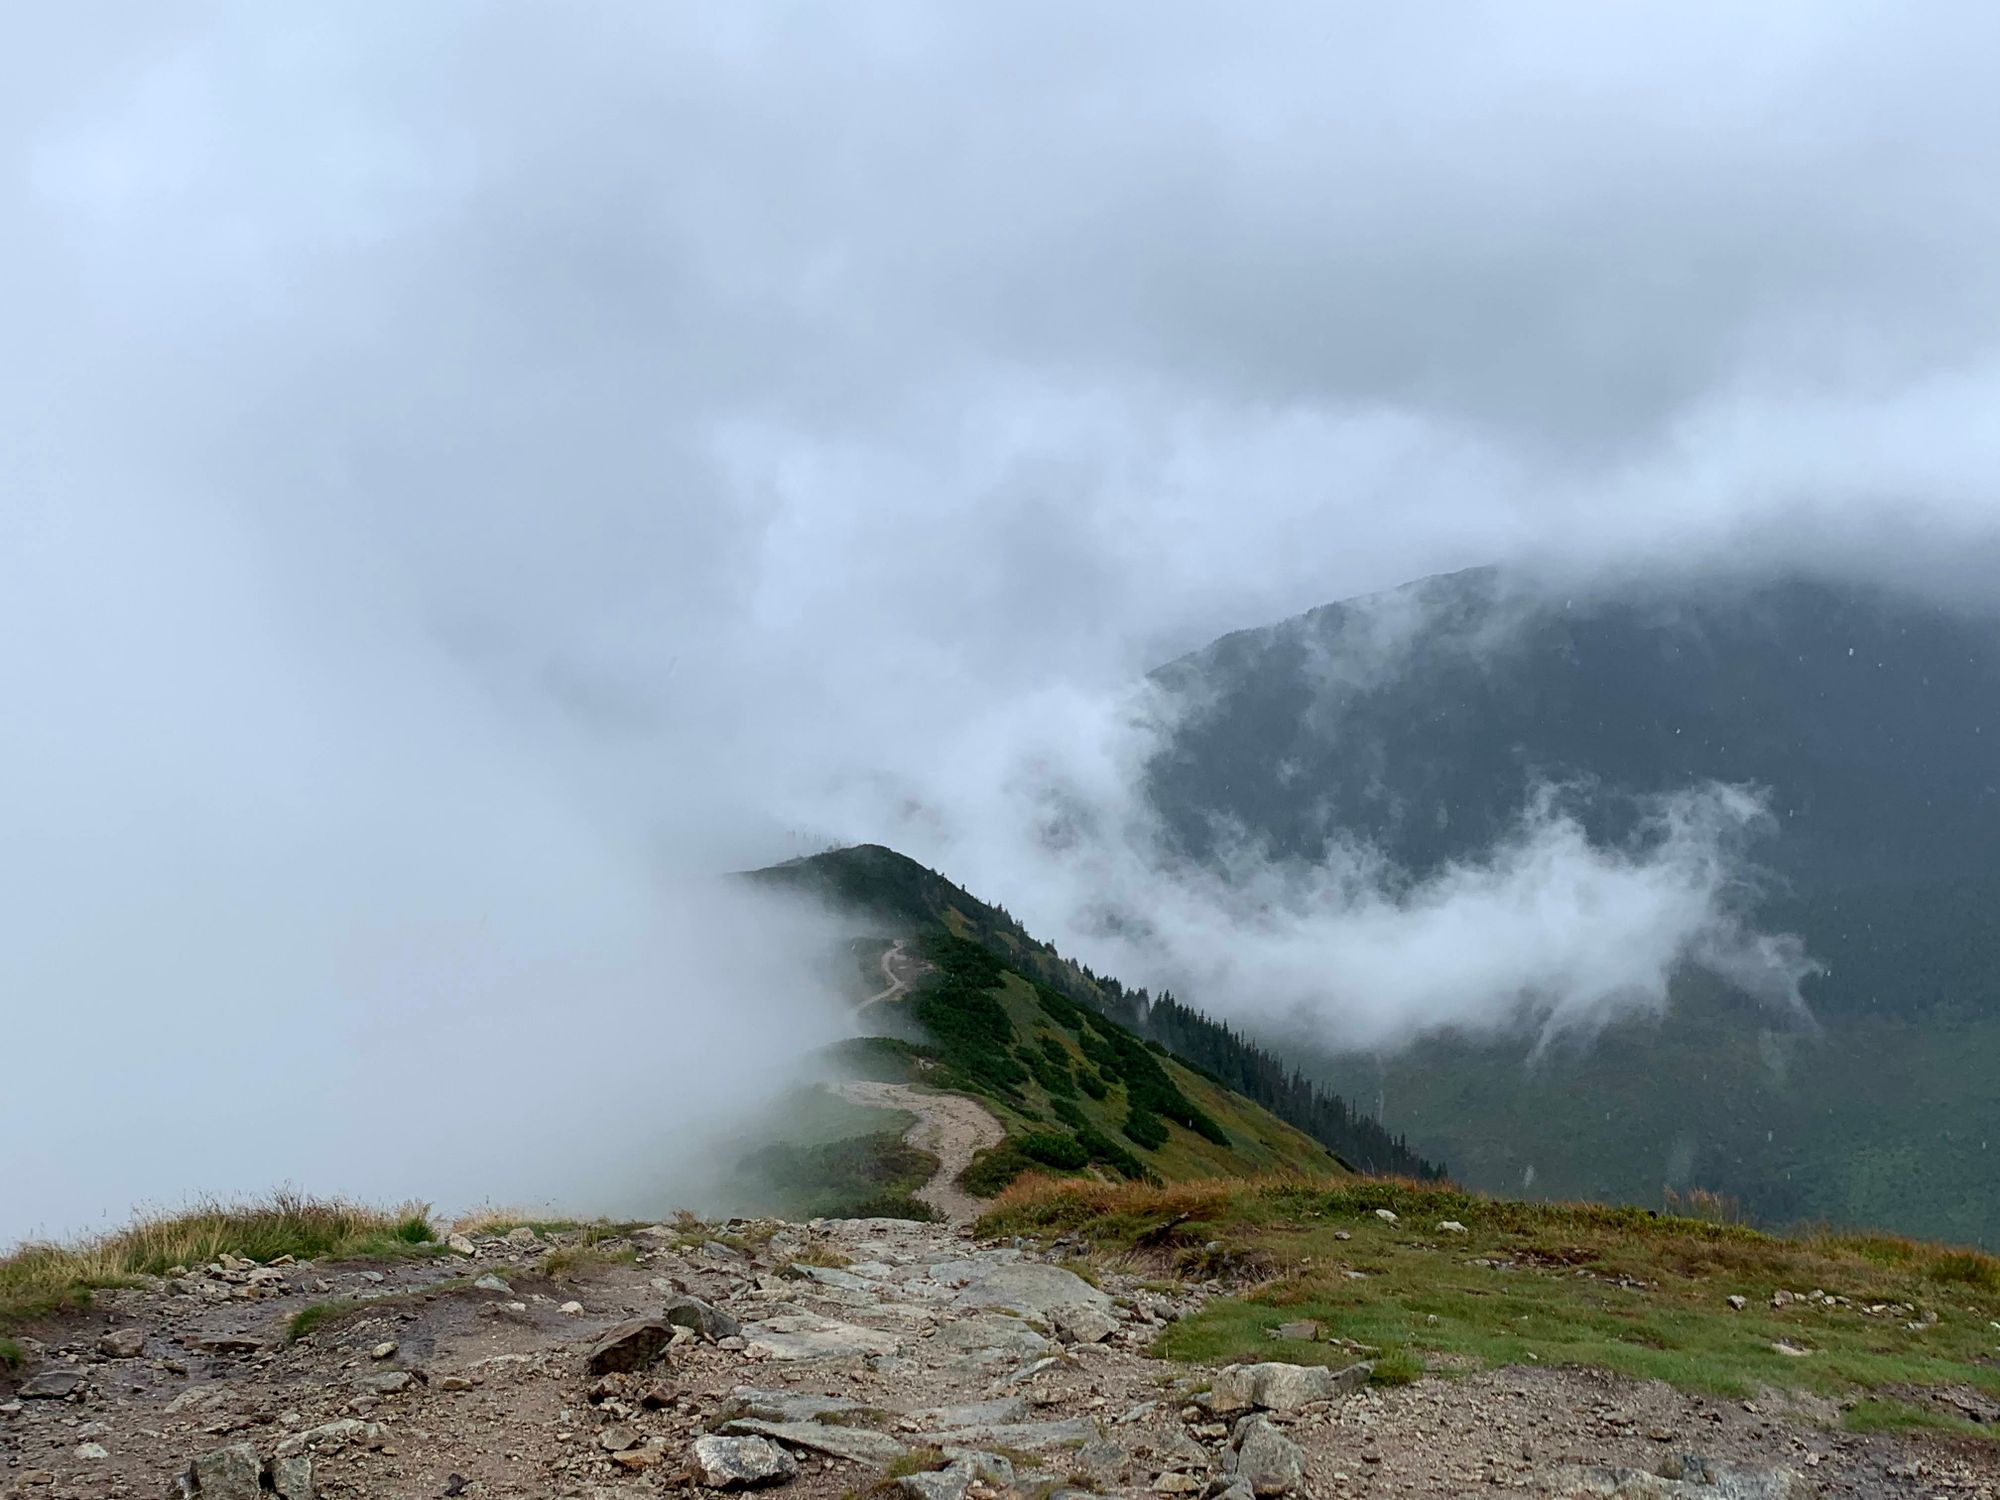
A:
695, 424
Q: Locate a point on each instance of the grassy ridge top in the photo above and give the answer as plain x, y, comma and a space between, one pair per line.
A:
1881, 1323
904, 898
1075, 1091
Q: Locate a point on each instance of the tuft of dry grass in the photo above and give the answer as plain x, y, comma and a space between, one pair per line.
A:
39, 1279
575, 1262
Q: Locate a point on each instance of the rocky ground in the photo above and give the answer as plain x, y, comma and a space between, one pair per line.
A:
822, 1359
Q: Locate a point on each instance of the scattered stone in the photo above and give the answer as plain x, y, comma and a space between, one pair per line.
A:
122, 1343
1685, 1474
1738, 1302
705, 1319
1268, 1460
389, 1383
1173, 1482
573, 1309
458, 1244
292, 1477
1306, 1330
807, 1337
617, 1439
368, 1434
491, 1283
384, 1350
787, 1406
1279, 1387
55, 1383
631, 1345
1033, 1290
1780, 1346
229, 1343
734, 1463
854, 1444
1082, 1325
454, 1383
232, 1473
92, 1450
1781, 1298
524, 1237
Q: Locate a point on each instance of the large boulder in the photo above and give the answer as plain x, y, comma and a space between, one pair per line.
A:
1270, 1462
55, 1383
232, 1473
1276, 1386
741, 1463
1033, 1290
631, 1345
858, 1445
704, 1318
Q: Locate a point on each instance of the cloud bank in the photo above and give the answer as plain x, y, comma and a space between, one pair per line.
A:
466, 466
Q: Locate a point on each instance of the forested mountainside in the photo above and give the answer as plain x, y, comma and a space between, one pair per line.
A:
907, 897
1423, 721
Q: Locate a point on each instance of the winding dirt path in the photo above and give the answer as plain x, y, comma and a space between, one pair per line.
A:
950, 1127
897, 982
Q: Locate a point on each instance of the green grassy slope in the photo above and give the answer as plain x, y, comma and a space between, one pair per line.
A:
905, 899
1452, 1281
1077, 1093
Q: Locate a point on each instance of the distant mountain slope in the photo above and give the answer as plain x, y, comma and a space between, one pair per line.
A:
1025, 989
1420, 721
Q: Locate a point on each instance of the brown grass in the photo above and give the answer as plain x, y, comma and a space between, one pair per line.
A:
39, 1279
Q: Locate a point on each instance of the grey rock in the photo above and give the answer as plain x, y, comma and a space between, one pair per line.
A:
232, 1473
736, 1463
948, 1483
1268, 1460
491, 1283
523, 1236
833, 1276
1032, 1289
53, 1383
617, 1439
787, 1406
855, 1444
807, 1337
388, 1383
1006, 1336
1236, 1489
631, 1345
292, 1477
709, 1321
230, 1343
1306, 1330
1082, 1325
368, 1434
1029, 1435
458, 1244
974, 1414
1685, 1476
122, 1343
1275, 1386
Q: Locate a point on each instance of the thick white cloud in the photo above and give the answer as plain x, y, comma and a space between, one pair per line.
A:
657, 435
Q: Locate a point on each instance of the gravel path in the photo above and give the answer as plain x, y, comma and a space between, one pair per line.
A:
950, 1127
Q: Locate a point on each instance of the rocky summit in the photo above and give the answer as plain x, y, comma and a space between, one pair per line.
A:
827, 1359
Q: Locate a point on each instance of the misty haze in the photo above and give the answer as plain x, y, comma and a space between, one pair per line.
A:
807, 746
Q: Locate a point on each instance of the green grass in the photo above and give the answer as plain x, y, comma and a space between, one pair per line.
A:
12, 1355
1881, 1414
1564, 1284
39, 1280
